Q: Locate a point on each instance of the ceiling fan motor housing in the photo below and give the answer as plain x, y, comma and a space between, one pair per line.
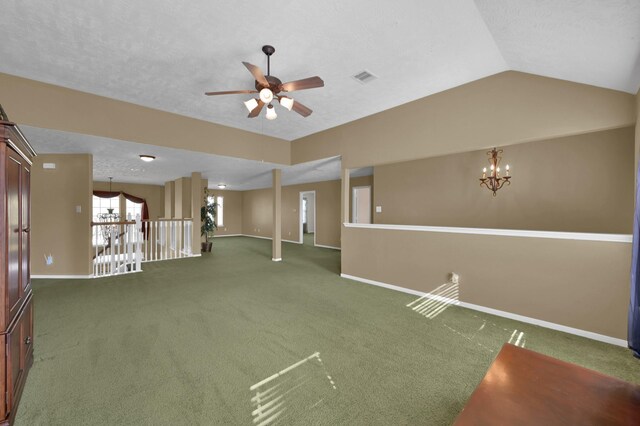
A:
274, 84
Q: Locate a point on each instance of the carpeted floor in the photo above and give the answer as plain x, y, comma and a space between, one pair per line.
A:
201, 341
308, 239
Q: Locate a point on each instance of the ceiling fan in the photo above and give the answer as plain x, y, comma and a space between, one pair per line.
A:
269, 88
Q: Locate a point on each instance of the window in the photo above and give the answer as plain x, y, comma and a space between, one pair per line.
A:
304, 210
220, 211
133, 209
101, 205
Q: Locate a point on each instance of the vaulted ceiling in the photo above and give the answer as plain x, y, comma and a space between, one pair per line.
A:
166, 54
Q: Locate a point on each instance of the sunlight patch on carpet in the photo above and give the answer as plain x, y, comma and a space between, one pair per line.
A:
302, 386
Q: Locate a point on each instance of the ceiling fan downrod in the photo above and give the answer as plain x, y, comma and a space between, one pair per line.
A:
268, 50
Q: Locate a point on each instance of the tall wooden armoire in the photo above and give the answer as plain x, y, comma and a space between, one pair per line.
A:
16, 311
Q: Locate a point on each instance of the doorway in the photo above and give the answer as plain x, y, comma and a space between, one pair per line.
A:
361, 204
307, 210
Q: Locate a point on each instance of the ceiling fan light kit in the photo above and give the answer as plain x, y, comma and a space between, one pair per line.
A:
269, 87
251, 104
266, 95
271, 113
286, 102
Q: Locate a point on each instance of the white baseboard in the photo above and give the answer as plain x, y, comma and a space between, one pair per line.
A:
521, 318
277, 260
62, 277
329, 247
288, 241
255, 236
227, 235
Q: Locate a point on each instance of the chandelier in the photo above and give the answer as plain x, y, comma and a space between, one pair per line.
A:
108, 218
493, 181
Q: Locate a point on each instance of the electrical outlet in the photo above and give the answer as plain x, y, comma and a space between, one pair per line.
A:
378, 209
454, 278
48, 260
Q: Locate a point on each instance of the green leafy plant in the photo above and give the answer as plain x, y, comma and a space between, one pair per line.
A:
208, 216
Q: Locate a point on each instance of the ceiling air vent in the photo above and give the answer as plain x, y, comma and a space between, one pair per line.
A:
364, 77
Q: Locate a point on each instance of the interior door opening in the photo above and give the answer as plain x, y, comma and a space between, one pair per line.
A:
308, 225
361, 204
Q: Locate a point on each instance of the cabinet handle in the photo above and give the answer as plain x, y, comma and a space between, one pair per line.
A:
27, 340
27, 229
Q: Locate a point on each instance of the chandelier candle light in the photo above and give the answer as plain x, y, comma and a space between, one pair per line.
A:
108, 218
493, 181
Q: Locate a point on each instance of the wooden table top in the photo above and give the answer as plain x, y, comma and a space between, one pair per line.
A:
523, 387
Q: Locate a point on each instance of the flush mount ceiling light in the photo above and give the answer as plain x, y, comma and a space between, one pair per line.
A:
147, 158
269, 87
493, 181
222, 185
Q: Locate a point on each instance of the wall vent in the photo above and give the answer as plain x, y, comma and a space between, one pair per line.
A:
364, 76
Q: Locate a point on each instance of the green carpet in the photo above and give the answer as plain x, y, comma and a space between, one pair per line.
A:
185, 341
308, 239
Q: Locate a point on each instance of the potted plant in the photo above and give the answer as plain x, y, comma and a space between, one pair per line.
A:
207, 220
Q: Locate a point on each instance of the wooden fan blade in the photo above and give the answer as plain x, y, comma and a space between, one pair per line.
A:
254, 112
257, 74
230, 92
305, 83
301, 109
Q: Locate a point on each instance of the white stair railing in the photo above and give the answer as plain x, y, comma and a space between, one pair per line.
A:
167, 239
120, 252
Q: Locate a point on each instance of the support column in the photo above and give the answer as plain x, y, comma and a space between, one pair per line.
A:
197, 198
276, 247
346, 197
169, 196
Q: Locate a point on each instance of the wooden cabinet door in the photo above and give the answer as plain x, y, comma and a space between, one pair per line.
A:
15, 360
27, 333
14, 235
26, 229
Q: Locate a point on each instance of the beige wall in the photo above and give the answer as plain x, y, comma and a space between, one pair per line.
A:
153, 194
257, 212
579, 284
53, 107
57, 228
232, 212
327, 200
580, 183
502, 109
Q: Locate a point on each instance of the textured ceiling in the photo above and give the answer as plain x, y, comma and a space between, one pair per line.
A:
589, 41
120, 160
164, 54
